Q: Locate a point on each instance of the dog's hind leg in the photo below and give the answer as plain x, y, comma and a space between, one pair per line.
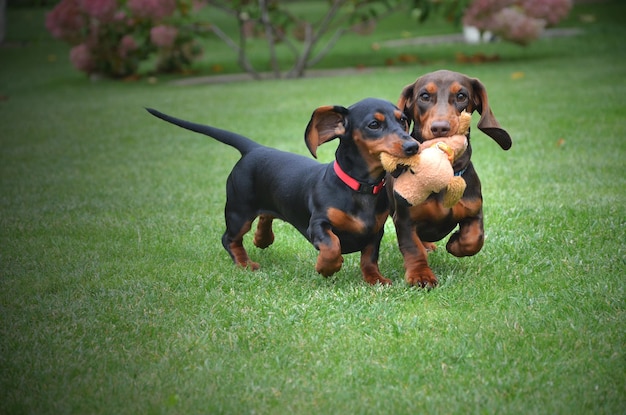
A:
233, 243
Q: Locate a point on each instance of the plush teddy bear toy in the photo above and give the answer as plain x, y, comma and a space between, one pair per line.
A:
430, 171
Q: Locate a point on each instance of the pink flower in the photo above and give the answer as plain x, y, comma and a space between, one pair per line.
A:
127, 45
81, 58
480, 12
119, 16
152, 9
163, 36
553, 11
66, 22
198, 4
103, 10
513, 25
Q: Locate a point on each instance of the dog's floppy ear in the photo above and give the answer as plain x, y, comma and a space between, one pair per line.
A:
406, 102
488, 123
326, 123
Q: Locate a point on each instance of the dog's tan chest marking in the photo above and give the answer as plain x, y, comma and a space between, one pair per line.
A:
345, 222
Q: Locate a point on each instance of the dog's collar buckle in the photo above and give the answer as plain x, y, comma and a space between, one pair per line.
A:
460, 172
356, 185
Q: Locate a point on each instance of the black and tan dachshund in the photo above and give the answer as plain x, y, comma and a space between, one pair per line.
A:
433, 103
339, 207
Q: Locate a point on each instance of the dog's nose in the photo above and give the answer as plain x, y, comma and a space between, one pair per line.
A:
440, 128
410, 147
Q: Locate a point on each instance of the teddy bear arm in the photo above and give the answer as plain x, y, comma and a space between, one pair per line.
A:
454, 191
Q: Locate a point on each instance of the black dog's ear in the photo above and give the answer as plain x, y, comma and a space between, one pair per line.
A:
488, 123
326, 123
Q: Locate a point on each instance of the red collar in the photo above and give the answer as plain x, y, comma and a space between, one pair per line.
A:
355, 185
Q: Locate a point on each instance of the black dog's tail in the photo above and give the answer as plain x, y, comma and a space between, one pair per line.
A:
241, 143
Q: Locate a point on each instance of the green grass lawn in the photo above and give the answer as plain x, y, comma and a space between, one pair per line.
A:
117, 297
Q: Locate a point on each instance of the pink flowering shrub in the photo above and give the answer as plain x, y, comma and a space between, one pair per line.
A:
101, 10
113, 37
518, 21
80, 56
66, 21
172, 54
513, 25
552, 11
163, 36
152, 9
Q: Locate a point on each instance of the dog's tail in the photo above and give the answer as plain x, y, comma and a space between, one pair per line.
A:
241, 143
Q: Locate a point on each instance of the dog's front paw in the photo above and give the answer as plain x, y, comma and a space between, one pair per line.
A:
327, 265
423, 278
263, 240
430, 246
370, 271
264, 236
251, 265
376, 279
465, 243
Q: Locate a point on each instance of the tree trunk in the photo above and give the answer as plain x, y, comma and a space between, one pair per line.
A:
269, 35
3, 19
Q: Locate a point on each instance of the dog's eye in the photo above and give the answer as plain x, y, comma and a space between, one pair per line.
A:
374, 125
461, 97
405, 123
424, 96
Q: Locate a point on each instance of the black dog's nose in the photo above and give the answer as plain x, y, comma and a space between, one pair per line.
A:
411, 147
440, 128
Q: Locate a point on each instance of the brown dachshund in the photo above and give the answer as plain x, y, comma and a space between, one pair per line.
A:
433, 102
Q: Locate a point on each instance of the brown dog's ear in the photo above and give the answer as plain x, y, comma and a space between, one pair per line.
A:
488, 123
326, 123
406, 102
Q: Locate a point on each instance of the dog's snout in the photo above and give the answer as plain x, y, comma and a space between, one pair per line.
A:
410, 147
440, 128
